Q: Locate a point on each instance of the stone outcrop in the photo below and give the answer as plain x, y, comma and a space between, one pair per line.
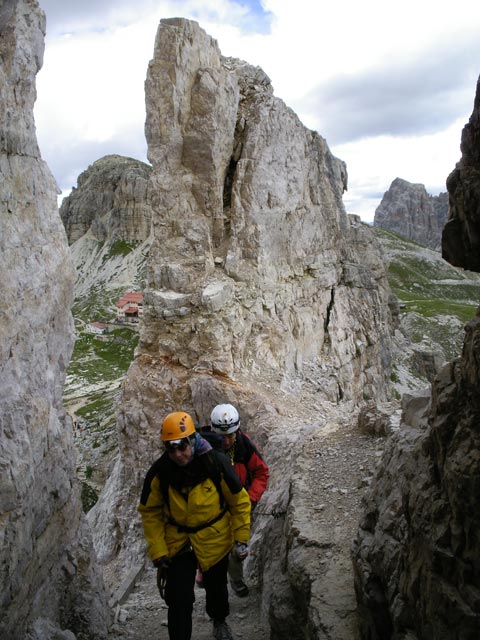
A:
461, 237
110, 202
407, 209
255, 272
416, 554
50, 584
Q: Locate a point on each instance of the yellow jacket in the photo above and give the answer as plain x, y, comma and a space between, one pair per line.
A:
177, 502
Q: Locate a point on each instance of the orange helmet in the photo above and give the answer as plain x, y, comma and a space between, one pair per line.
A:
177, 425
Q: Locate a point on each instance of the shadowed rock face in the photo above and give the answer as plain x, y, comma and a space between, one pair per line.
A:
461, 236
416, 555
49, 581
407, 209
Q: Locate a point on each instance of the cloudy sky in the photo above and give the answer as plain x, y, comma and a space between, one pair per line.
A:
390, 85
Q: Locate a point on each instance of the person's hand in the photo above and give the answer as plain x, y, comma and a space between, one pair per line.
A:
241, 550
162, 565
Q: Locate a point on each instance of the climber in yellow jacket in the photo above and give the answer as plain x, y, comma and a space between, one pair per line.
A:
194, 509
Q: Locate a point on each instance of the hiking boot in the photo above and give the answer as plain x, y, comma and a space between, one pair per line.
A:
240, 588
221, 631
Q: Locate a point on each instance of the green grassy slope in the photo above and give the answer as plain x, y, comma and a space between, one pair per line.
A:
436, 299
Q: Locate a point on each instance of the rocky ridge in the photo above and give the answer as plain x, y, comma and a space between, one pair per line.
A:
407, 209
51, 585
297, 402
231, 233
302, 414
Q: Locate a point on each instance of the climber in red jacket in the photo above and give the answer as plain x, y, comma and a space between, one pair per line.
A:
225, 434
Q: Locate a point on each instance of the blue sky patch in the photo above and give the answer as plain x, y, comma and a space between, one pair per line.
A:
254, 18
257, 20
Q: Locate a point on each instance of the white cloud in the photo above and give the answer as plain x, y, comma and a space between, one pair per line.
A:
390, 85
424, 159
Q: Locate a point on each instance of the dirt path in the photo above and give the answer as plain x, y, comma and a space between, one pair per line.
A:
144, 615
339, 466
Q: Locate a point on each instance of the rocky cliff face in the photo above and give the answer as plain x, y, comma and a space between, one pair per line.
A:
108, 220
109, 202
461, 237
255, 265
49, 580
407, 209
416, 553
255, 275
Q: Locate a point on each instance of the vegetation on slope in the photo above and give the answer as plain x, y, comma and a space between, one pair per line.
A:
94, 376
425, 283
436, 299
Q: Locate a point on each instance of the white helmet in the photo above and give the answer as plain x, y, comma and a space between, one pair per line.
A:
224, 419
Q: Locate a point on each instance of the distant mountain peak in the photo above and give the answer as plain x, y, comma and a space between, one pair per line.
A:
407, 209
110, 200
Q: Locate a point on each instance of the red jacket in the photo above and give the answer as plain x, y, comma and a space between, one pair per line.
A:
247, 461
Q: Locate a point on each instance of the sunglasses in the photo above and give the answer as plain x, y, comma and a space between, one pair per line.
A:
174, 446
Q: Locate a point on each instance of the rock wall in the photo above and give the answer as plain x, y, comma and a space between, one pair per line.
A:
48, 576
407, 209
254, 273
461, 237
416, 554
110, 202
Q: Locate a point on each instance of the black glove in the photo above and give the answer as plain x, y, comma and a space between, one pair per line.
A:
159, 563
162, 565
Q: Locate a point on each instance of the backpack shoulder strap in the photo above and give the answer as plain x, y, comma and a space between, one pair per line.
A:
164, 480
212, 469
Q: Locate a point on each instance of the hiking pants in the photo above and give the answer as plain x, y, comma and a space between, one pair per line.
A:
235, 567
180, 595
216, 590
